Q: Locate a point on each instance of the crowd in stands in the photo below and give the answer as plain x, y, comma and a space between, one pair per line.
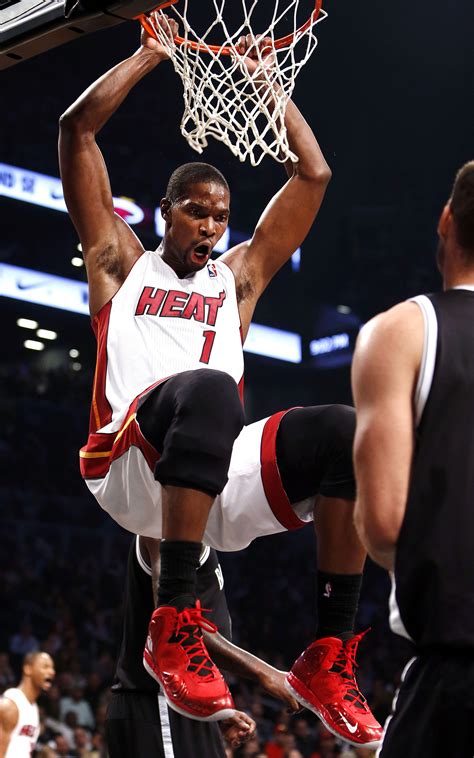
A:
62, 564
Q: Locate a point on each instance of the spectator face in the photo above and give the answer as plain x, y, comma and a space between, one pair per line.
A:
97, 741
77, 694
281, 732
250, 748
62, 745
81, 738
71, 719
301, 728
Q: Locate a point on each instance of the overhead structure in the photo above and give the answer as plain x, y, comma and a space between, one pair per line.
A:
30, 27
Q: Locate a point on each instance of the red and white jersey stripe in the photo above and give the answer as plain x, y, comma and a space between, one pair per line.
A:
158, 325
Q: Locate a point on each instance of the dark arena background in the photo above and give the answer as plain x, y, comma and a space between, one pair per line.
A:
390, 96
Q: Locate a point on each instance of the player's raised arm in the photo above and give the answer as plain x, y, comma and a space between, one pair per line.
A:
109, 246
384, 374
289, 216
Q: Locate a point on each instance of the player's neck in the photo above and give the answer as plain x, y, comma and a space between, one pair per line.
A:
458, 279
29, 690
172, 260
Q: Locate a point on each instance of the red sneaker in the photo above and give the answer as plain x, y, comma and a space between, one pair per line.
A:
323, 680
175, 655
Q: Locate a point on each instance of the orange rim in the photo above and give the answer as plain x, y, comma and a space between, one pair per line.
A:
279, 43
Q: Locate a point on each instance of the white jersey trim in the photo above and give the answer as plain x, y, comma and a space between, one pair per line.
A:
396, 624
430, 343
165, 726
394, 704
147, 569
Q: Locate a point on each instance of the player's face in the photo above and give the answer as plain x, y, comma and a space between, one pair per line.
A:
195, 224
43, 672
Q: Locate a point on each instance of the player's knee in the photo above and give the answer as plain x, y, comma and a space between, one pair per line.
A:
340, 423
198, 446
213, 396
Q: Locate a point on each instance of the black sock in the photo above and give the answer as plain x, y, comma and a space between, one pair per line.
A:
338, 599
179, 562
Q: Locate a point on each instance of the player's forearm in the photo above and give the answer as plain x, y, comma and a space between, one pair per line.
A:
237, 661
311, 162
100, 101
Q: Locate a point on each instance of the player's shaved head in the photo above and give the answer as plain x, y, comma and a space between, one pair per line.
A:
462, 209
192, 173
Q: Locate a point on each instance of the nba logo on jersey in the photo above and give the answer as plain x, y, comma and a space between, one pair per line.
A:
211, 270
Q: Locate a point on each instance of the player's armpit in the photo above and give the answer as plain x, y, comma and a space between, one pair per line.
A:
8, 721
384, 374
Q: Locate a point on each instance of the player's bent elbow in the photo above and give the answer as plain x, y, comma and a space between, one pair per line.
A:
319, 176
73, 124
378, 535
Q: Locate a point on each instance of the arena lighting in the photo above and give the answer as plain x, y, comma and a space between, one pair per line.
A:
73, 353
43, 289
47, 191
273, 343
46, 334
33, 345
77, 262
331, 344
27, 323
69, 295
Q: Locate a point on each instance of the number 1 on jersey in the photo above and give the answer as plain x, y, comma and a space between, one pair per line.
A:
209, 338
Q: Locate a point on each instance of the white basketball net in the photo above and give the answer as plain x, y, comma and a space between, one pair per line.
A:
222, 98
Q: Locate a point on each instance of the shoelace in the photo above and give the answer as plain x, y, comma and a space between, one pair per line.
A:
345, 664
192, 641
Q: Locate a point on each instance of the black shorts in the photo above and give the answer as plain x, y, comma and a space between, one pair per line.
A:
141, 725
434, 710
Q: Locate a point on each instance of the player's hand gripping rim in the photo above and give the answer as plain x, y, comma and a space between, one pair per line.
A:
160, 38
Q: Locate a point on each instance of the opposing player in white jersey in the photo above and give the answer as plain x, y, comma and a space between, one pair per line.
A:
166, 456
19, 717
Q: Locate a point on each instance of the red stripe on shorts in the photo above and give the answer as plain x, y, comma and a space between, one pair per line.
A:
271, 480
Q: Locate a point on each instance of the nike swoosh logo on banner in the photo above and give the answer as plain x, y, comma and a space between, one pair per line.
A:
352, 727
29, 285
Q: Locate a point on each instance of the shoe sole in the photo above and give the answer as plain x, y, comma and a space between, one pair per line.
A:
319, 711
225, 713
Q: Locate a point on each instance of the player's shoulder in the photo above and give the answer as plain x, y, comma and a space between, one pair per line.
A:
9, 712
394, 338
399, 325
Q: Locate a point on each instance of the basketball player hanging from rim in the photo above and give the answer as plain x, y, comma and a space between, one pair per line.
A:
167, 415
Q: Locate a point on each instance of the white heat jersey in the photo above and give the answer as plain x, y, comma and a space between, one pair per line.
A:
25, 734
158, 325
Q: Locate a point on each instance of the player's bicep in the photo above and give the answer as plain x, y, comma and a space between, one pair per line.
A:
86, 188
384, 375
